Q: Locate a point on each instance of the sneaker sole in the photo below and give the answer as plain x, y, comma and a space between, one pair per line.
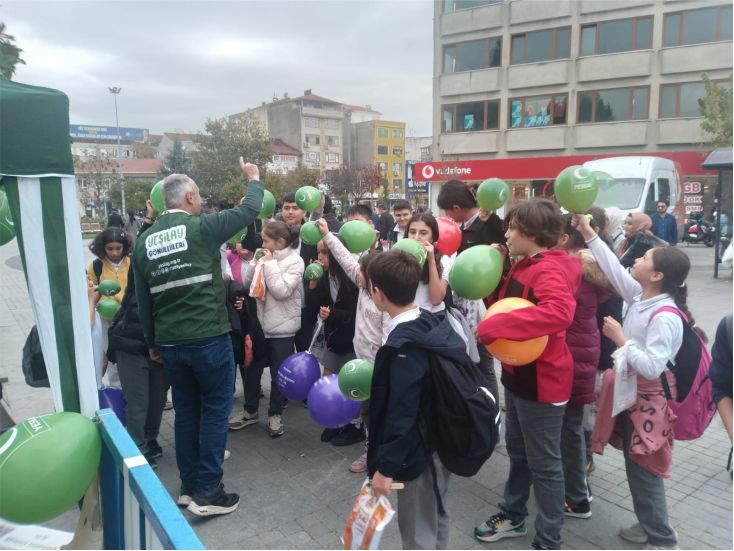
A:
633, 539
240, 426
578, 515
357, 470
183, 501
501, 535
276, 433
210, 510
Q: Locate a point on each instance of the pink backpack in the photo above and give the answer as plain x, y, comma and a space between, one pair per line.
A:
694, 405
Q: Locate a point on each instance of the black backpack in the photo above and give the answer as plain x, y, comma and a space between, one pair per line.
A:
460, 417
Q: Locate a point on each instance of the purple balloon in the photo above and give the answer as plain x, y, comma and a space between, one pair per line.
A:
297, 374
114, 399
328, 406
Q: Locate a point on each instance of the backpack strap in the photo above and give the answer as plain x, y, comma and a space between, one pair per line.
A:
684, 318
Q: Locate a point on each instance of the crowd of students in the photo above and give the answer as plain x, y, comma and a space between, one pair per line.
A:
382, 306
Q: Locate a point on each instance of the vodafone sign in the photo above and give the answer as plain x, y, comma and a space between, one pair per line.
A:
536, 168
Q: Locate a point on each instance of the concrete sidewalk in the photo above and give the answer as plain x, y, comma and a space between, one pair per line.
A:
297, 492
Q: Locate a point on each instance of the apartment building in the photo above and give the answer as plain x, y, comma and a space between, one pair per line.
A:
524, 88
381, 143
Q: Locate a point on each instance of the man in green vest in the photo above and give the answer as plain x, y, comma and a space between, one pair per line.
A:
180, 292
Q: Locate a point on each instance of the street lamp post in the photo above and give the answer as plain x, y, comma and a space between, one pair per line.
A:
114, 91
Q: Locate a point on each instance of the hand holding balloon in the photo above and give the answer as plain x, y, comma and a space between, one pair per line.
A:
582, 223
323, 226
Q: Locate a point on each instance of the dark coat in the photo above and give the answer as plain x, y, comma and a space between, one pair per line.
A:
720, 370
339, 326
483, 232
637, 246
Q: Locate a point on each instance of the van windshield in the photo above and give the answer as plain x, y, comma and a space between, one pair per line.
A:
623, 193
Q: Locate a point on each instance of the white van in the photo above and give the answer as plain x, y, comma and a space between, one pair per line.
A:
639, 182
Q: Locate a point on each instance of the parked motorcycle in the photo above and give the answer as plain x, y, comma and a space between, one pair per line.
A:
698, 230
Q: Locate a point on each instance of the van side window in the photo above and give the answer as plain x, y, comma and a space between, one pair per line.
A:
650, 202
664, 189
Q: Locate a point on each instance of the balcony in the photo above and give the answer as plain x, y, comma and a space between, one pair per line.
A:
526, 12
475, 19
468, 142
532, 139
548, 73
470, 82
614, 66
675, 131
612, 134
697, 58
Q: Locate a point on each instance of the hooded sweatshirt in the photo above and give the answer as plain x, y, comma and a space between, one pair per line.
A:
396, 448
549, 280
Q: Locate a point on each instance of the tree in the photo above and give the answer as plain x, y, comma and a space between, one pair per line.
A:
216, 163
144, 150
9, 54
177, 162
137, 193
716, 109
96, 172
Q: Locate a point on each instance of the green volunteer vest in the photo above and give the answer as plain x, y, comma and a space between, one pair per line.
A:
185, 280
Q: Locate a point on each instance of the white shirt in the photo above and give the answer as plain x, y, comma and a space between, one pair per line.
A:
467, 223
223, 262
408, 315
401, 233
422, 298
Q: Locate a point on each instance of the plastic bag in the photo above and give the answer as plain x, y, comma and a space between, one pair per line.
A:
257, 287
625, 383
318, 341
367, 520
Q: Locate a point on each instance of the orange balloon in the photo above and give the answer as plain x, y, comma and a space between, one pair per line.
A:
514, 352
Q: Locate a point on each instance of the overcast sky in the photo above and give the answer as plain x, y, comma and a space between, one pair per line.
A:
179, 63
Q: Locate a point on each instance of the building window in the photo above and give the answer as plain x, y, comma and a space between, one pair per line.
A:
617, 104
538, 111
397, 151
311, 122
473, 55
382, 132
622, 35
697, 26
397, 184
312, 157
399, 134
397, 168
541, 46
470, 117
331, 123
682, 99
332, 141
332, 157
382, 150
383, 167
456, 5
312, 139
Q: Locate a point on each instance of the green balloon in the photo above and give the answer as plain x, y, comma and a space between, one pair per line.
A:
46, 465
576, 189
308, 198
7, 229
313, 271
355, 380
107, 308
358, 235
156, 197
239, 236
310, 233
492, 194
413, 248
476, 272
259, 254
109, 288
268, 208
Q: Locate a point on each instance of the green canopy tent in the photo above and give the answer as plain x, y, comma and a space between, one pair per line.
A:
37, 173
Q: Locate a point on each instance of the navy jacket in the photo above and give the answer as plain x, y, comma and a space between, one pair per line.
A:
396, 448
665, 228
720, 370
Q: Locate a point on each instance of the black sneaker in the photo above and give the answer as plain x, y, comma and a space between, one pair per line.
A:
578, 510
184, 496
217, 502
328, 434
151, 461
154, 449
349, 435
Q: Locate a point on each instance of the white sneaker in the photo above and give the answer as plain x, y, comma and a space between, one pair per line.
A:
242, 420
634, 533
227, 455
649, 546
275, 426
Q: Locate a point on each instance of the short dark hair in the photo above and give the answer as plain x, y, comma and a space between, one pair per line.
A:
289, 197
401, 204
456, 192
667, 203
277, 229
396, 274
538, 218
360, 210
107, 236
381, 206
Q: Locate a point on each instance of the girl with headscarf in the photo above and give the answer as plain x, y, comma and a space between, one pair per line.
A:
615, 220
638, 239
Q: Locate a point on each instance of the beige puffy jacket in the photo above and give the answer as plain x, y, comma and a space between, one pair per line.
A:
280, 314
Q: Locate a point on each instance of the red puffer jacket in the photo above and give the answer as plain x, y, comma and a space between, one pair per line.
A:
582, 337
549, 280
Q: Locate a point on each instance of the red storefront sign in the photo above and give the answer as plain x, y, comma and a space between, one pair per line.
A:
540, 168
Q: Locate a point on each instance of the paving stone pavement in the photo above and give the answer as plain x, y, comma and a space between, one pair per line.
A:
296, 491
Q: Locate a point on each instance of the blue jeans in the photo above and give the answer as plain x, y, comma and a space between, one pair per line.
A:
201, 375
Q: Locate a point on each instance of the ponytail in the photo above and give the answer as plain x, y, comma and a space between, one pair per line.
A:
280, 230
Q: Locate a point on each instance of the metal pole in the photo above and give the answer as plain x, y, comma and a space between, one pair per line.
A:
718, 224
115, 90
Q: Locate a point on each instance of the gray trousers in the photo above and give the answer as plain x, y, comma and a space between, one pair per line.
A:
421, 525
573, 451
648, 496
533, 441
145, 385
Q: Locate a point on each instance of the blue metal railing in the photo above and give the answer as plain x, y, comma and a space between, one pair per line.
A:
137, 511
